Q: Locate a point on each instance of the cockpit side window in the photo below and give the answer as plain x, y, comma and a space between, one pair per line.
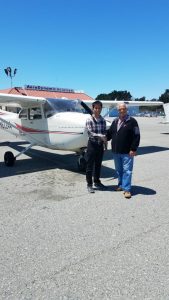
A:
30, 113
23, 114
35, 113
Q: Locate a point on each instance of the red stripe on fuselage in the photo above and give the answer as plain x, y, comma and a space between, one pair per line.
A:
32, 130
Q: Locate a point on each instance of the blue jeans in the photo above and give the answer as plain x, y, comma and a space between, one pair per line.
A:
124, 167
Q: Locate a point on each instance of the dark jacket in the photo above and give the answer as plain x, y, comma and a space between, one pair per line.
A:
126, 138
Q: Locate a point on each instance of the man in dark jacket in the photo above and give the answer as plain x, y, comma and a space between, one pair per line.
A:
124, 134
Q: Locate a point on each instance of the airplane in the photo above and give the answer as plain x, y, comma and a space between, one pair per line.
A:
52, 123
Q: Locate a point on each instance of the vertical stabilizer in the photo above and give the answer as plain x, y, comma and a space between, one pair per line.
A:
166, 110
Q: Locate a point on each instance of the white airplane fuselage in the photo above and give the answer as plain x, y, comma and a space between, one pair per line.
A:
62, 131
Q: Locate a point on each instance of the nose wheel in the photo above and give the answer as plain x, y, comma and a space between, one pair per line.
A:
9, 159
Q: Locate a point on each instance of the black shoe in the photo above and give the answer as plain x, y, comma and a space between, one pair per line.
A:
90, 189
100, 186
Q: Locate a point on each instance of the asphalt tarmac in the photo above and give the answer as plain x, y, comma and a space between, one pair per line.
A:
59, 242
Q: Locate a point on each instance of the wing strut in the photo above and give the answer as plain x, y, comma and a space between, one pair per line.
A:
24, 150
9, 158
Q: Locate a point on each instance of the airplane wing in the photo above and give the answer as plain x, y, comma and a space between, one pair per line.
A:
23, 101
113, 103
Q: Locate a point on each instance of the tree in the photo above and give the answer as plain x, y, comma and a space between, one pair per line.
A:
118, 95
165, 97
140, 99
102, 97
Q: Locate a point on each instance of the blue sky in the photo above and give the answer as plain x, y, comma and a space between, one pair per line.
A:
93, 45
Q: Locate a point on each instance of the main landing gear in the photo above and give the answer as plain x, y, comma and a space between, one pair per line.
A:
9, 158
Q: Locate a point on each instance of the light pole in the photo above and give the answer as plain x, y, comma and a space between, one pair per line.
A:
9, 72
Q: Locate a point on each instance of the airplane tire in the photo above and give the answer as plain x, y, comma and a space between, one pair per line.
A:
9, 159
82, 164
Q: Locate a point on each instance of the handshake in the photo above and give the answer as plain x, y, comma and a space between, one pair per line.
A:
103, 138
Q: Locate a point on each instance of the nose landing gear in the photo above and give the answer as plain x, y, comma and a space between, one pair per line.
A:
81, 163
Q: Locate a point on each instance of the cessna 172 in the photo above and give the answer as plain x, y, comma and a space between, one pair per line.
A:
52, 123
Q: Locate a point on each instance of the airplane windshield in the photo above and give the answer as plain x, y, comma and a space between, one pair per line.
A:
53, 106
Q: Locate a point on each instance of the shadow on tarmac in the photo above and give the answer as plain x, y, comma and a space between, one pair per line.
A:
141, 151
151, 149
43, 160
136, 190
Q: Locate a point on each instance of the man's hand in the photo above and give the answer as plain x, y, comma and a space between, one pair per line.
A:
132, 153
104, 138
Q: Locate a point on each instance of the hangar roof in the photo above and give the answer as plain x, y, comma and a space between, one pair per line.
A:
47, 94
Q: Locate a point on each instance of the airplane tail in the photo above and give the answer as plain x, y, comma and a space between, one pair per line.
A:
166, 111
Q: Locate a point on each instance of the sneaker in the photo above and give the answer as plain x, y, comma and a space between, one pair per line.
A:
90, 189
118, 189
99, 185
127, 195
